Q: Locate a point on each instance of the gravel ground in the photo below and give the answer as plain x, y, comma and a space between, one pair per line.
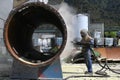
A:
76, 72
71, 72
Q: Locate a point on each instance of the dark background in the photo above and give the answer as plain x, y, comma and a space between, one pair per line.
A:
105, 11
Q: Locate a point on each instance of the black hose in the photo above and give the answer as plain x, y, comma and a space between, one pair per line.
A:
96, 57
105, 66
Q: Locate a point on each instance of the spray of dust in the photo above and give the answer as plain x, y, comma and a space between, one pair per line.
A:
68, 14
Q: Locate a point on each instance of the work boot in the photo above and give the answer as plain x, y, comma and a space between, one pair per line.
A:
88, 73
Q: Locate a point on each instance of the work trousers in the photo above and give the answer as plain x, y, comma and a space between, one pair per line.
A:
88, 60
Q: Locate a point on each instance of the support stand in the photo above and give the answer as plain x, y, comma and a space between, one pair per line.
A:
49, 72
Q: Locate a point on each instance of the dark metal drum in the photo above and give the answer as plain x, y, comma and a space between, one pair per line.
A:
22, 23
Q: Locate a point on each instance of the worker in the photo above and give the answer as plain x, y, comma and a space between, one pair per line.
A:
86, 41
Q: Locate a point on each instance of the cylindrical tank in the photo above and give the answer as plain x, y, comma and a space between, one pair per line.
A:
80, 21
20, 26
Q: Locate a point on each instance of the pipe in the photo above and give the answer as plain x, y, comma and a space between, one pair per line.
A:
20, 26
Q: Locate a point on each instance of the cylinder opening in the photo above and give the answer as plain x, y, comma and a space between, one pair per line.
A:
35, 34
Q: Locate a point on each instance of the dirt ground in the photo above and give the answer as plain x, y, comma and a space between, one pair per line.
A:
76, 72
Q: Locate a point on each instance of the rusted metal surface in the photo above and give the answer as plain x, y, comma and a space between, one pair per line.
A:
112, 53
19, 27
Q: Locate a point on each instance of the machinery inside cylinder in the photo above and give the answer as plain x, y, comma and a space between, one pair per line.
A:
35, 34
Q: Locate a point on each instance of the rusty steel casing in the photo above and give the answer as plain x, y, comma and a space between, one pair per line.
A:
19, 28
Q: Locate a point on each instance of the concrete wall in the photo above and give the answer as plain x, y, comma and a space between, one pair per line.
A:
96, 27
5, 59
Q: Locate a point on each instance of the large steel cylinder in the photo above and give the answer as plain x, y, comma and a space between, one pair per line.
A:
81, 21
20, 27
